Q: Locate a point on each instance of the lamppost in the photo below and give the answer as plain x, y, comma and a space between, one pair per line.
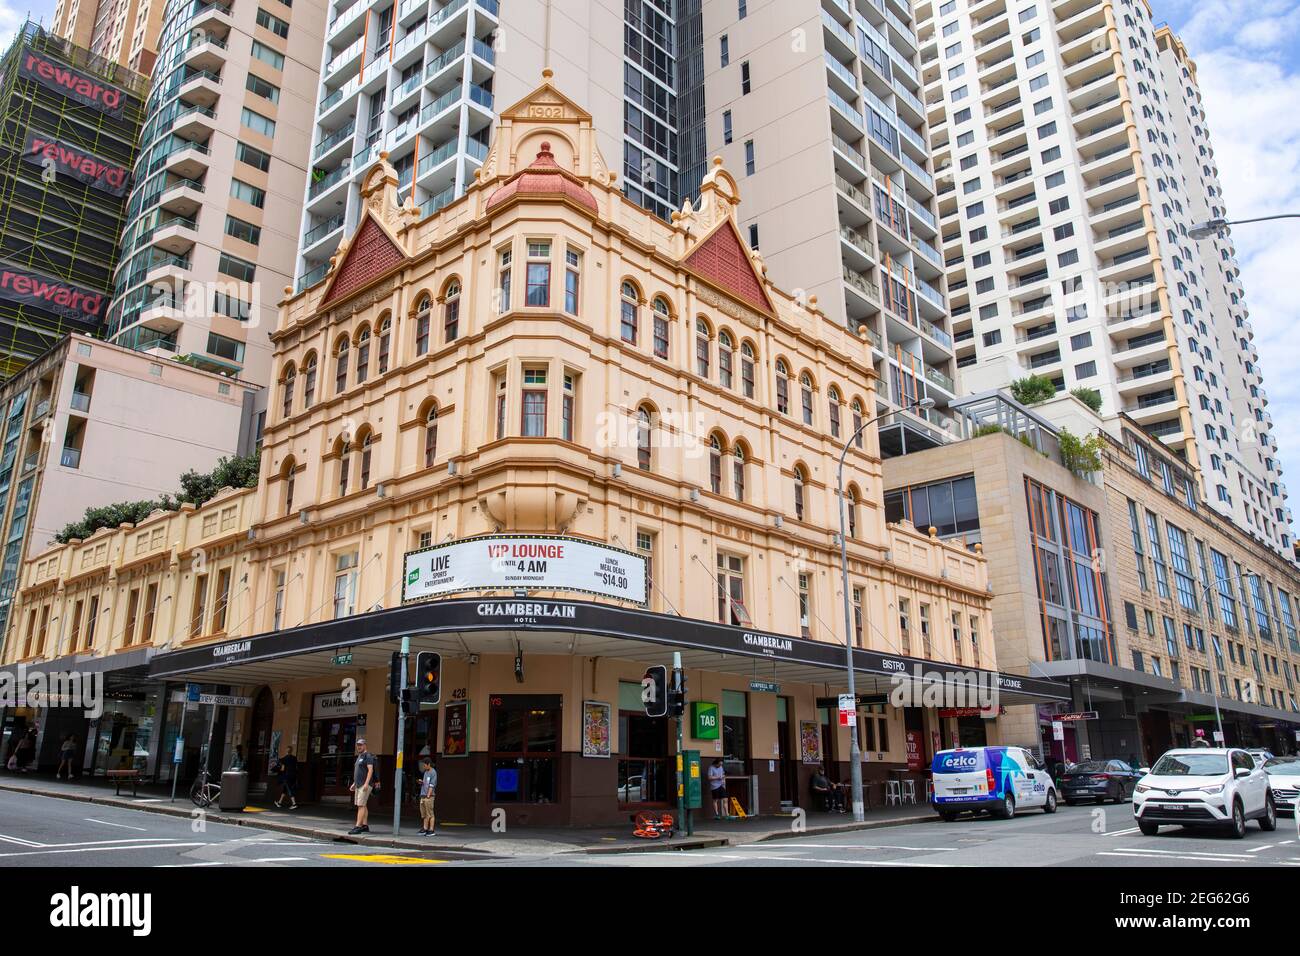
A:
1203, 230
1214, 684
855, 756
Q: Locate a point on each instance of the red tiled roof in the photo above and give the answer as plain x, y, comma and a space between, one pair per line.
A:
370, 255
726, 263
544, 177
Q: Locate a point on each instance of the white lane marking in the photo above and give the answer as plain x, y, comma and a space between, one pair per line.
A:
1152, 856
277, 859
1288, 862
848, 846
1212, 854
808, 859
313, 843
19, 841
102, 849
1286, 842
108, 823
178, 866
149, 800
1266, 846
1122, 832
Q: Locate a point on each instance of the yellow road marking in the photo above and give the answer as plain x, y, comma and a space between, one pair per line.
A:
254, 809
391, 858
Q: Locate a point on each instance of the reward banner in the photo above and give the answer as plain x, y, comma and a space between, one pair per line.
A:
73, 84
40, 150
530, 563
52, 295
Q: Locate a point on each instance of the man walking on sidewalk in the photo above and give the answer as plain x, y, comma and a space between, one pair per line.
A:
428, 791
363, 779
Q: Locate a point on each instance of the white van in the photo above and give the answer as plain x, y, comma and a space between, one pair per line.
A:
1000, 780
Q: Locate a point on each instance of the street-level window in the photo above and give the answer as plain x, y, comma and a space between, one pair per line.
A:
524, 748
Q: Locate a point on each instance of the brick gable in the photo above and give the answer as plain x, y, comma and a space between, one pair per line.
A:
724, 261
370, 255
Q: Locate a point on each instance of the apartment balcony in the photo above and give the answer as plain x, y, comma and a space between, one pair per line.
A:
996, 71
201, 87
344, 63
1031, 311
854, 203
1042, 362
449, 23
182, 197
920, 180
164, 314
348, 25
849, 160
1010, 162
312, 276
1153, 407
846, 118
1126, 268
341, 105
988, 23
866, 291
1139, 349
1087, 62
856, 248
1120, 240
167, 270
334, 145
329, 187
1102, 136
1138, 380
1084, 37
1104, 107
197, 123
321, 231
1133, 312
176, 235
207, 53
211, 18
1004, 109
910, 107
1031, 257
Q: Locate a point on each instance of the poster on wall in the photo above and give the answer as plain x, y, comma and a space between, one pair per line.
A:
595, 728
810, 742
915, 749
455, 731
277, 738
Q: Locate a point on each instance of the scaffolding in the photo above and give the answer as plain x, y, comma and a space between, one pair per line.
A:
54, 224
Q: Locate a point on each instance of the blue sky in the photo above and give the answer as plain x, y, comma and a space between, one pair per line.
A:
1247, 54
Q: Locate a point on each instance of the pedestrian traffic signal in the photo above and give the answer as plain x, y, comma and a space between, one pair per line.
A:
395, 677
428, 677
677, 694
654, 691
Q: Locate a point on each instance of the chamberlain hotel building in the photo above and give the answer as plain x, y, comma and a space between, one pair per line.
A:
544, 360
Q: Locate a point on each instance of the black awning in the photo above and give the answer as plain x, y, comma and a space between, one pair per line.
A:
466, 616
134, 660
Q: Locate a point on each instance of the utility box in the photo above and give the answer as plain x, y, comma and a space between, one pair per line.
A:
234, 790
694, 779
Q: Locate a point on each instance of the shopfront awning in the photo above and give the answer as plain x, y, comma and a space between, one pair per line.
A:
128, 663
1205, 703
536, 626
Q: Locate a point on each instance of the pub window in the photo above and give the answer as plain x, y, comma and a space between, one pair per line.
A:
150, 613
857, 423
644, 423
726, 358
629, 317
278, 617
661, 316
286, 385
505, 273
451, 312
833, 406
645, 545
198, 608
715, 465
806, 394
747, 369
538, 292
385, 340
341, 449
525, 748
423, 316
738, 471
345, 584
568, 402
857, 616
501, 405
286, 472
572, 280
799, 482
222, 604
782, 387
309, 380
703, 335
731, 590
341, 366
364, 475
644, 770
735, 733
363, 354
533, 413
805, 607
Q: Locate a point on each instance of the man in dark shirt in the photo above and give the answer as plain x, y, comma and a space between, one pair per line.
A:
363, 780
824, 789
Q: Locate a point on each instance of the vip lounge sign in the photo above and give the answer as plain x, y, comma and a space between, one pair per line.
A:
73, 84
52, 295
84, 167
530, 563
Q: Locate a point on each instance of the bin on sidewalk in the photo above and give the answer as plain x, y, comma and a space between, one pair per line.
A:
234, 790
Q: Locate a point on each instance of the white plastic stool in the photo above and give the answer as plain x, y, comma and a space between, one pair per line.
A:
892, 793
909, 791
929, 791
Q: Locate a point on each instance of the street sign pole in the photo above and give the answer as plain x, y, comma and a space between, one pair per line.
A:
683, 814
401, 728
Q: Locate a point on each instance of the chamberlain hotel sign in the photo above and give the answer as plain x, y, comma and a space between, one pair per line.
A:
524, 563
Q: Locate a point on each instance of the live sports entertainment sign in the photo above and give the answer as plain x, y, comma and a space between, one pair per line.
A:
532, 563
52, 295
85, 167
73, 84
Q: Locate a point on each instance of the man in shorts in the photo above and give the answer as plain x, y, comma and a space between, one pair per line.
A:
363, 779
428, 791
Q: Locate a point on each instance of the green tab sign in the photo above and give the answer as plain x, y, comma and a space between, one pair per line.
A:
342, 659
706, 723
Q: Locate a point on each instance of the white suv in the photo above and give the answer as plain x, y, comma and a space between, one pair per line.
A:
1204, 787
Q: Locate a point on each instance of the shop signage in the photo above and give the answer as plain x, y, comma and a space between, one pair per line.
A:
1080, 715
231, 650
52, 295
341, 660
192, 692
40, 150
530, 563
848, 710
73, 84
765, 687
455, 730
333, 704
1058, 730
988, 713
705, 724
225, 700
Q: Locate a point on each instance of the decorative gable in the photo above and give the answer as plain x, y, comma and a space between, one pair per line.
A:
722, 259
370, 254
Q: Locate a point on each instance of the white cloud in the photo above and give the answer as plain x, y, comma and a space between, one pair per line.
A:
10, 20
1250, 81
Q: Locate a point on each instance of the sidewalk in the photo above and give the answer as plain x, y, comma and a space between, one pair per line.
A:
331, 822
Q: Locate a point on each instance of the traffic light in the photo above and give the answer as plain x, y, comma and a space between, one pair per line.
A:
428, 677
654, 691
395, 677
677, 694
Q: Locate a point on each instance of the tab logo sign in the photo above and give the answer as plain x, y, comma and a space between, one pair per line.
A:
81, 166
73, 84
52, 295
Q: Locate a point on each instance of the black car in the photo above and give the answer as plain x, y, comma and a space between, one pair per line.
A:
1099, 780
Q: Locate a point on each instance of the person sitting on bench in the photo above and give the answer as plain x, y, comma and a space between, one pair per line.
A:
825, 791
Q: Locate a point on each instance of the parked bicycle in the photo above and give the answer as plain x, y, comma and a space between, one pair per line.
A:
204, 793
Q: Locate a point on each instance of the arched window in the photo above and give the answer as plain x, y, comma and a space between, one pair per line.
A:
341, 366
851, 506
715, 465
782, 387
286, 472
644, 423
806, 393
451, 312
798, 492
833, 406
702, 336
365, 460
857, 422
343, 449
738, 471
747, 369
286, 394
363, 354
431, 436
423, 316
629, 318
662, 316
309, 380
726, 358
385, 343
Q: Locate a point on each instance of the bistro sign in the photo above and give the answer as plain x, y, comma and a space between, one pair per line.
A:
527, 563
